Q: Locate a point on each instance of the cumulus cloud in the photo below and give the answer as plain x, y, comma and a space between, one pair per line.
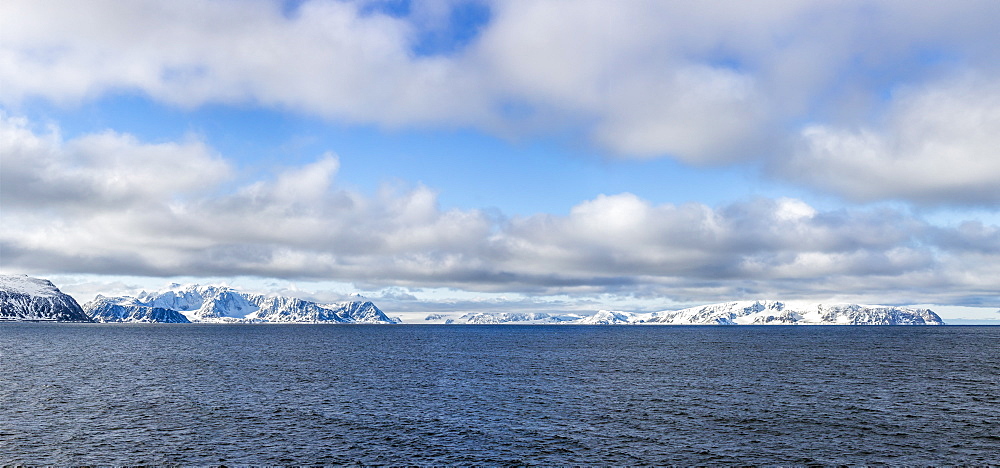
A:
900, 98
106, 203
329, 58
762, 240
106, 169
940, 144
700, 114
703, 83
186, 224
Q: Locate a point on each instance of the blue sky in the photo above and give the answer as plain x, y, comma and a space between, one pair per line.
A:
454, 155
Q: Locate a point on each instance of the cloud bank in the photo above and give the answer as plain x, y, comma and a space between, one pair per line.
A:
111, 204
865, 100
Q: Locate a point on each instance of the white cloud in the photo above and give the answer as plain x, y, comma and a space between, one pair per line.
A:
328, 59
110, 204
307, 183
109, 169
940, 144
700, 114
760, 241
107, 202
703, 83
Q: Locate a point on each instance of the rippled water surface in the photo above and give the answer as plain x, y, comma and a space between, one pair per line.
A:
497, 395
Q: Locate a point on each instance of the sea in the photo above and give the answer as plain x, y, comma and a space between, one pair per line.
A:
496, 395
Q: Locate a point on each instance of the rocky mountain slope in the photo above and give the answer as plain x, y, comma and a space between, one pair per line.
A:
26, 298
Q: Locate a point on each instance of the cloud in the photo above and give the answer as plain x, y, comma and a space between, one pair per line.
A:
107, 203
762, 240
186, 224
700, 114
940, 145
329, 58
106, 169
866, 100
702, 83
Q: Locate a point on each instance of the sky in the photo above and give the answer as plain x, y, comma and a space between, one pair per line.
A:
538, 155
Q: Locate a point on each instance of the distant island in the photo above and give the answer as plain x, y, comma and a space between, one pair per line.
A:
726, 313
23, 298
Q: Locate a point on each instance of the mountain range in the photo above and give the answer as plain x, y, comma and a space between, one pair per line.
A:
23, 298
726, 313
221, 304
26, 298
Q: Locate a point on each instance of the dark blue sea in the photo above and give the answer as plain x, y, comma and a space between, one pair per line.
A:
88, 394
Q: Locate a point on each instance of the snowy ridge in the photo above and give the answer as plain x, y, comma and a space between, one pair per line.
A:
853, 314
729, 313
610, 317
26, 298
197, 303
200, 303
780, 313
129, 309
732, 313
287, 309
484, 318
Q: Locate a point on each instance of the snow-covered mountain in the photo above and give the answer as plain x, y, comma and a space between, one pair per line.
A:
853, 314
732, 313
288, 309
201, 303
198, 303
780, 313
129, 309
25, 298
609, 317
485, 318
